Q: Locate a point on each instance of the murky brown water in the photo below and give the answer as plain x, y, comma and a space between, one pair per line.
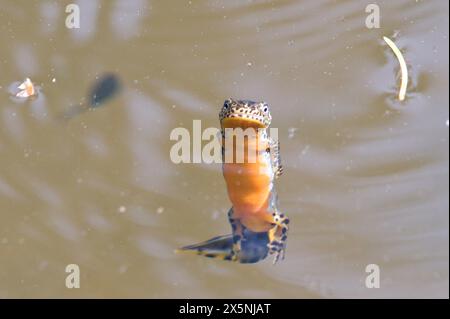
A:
366, 177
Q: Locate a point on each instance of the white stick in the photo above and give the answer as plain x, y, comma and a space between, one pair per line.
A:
404, 69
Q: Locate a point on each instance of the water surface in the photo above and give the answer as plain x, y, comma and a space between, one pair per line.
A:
366, 177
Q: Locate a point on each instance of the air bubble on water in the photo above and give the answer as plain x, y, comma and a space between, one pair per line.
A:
160, 210
349, 166
43, 265
122, 209
387, 188
215, 215
249, 63
123, 269
305, 150
291, 132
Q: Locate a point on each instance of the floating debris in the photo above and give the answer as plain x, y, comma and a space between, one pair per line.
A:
404, 69
103, 90
26, 89
291, 132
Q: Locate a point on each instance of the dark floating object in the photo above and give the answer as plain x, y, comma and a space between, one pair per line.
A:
103, 90
253, 247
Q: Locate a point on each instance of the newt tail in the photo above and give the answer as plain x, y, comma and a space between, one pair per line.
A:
254, 248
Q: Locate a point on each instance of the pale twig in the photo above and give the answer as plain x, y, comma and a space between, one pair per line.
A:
403, 68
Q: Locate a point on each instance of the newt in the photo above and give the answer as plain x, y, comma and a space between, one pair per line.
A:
250, 184
250, 166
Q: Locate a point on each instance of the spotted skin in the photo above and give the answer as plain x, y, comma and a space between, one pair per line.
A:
237, 231
250, 184
275, 157
278, 236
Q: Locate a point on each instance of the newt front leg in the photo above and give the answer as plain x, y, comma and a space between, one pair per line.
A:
278, 236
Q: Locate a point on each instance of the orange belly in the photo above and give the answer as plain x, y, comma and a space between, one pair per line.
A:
249, 187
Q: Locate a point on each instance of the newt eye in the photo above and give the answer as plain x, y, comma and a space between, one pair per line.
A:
226, 105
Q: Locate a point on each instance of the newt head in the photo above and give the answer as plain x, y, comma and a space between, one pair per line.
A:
244, 113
